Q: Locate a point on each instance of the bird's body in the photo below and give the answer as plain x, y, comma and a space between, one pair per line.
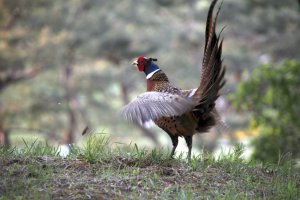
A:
181, 112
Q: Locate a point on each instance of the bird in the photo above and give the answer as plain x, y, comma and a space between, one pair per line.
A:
182, 113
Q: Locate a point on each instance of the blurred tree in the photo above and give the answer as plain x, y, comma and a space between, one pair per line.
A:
61, 36
77, 55
17, 51
272, 96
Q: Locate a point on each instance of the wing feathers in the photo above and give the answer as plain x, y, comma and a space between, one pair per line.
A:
153, 105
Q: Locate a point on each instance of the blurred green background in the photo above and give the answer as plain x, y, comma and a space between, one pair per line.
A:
65, 65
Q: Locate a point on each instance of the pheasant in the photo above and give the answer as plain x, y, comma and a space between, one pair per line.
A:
182, 113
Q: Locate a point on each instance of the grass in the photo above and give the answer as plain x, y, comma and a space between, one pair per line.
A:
98, 171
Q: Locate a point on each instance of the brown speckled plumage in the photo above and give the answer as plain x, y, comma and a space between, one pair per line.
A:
160, 83
182, 113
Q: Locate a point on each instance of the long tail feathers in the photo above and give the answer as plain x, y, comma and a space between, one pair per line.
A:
212, 73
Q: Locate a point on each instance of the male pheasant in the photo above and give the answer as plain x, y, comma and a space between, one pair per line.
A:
181, 112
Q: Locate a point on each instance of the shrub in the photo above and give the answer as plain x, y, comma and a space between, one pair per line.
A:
271, 95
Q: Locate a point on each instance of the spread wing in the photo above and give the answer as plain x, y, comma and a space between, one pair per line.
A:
153, 105
212, 74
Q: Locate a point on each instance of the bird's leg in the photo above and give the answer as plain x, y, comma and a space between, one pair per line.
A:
175, 143
189, 142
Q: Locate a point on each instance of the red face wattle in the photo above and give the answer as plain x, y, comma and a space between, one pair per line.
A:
141, 61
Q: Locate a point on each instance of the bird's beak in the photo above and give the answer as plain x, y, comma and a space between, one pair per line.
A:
134, 63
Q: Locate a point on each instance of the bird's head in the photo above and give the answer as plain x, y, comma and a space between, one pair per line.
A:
146, 65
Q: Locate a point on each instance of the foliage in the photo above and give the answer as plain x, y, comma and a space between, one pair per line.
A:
272, 96
128, 172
